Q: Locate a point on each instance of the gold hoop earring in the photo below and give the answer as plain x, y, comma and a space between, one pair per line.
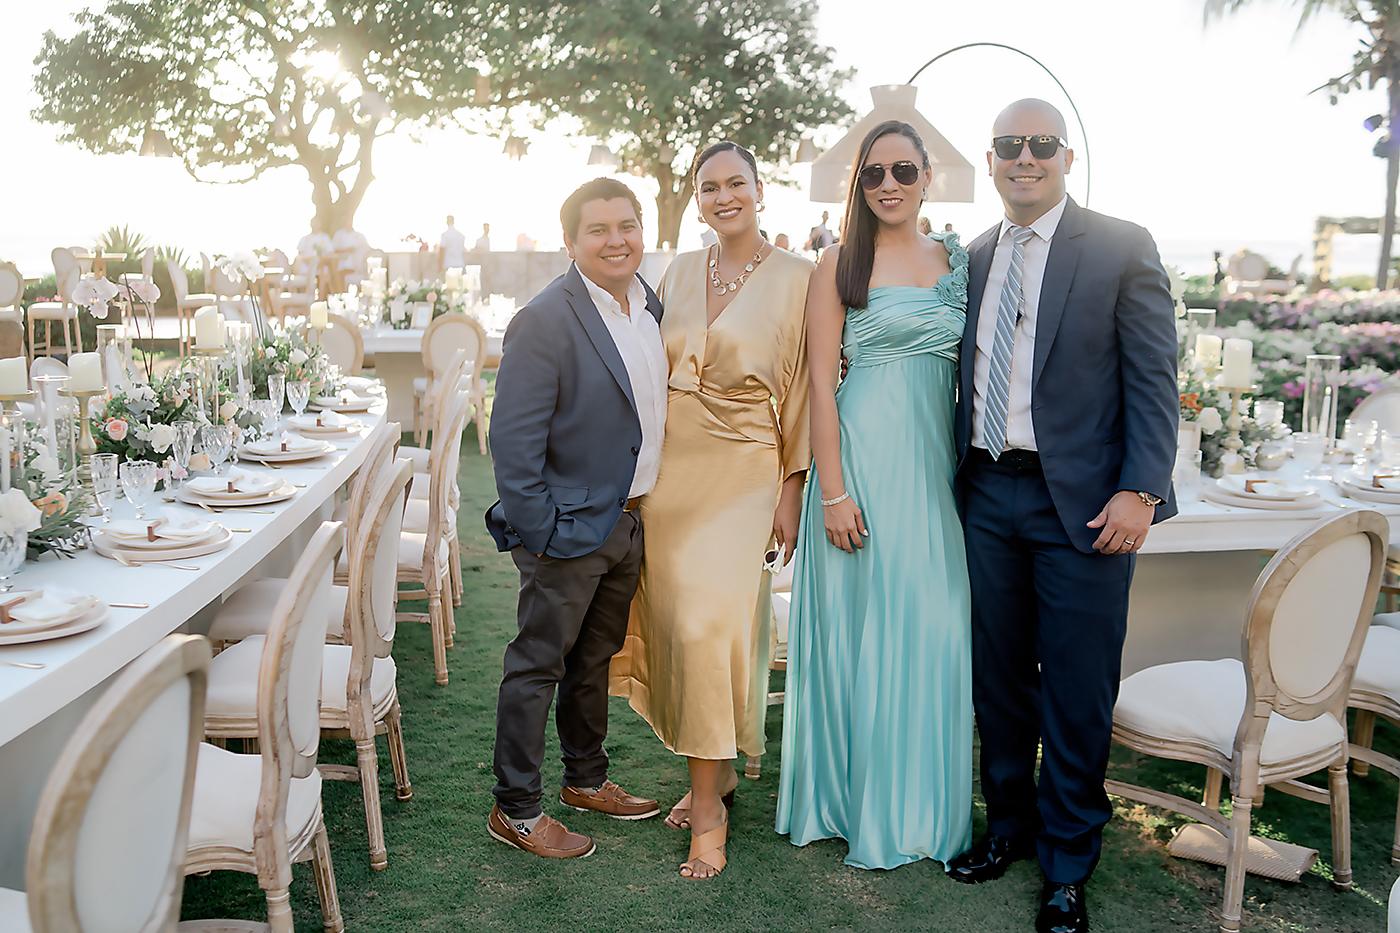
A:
760, 207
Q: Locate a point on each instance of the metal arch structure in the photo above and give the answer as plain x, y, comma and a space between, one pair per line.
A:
1089, 164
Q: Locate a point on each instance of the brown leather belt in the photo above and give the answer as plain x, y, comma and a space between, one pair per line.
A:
632, 504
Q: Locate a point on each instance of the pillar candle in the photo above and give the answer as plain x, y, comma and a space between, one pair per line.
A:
1238, 370
85, 373
1208, 349
14, 376
380, 277
453, 279
319, 315
209, 329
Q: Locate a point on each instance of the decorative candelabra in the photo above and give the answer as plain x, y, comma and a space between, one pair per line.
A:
209, 358
87, 446
1233, 460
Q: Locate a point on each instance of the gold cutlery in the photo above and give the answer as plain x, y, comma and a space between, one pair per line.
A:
127, 562
129, 605
27, 665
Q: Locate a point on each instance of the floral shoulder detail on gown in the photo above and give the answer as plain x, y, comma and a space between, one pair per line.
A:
952, 288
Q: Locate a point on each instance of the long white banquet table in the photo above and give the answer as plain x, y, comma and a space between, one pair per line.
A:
1196, 571
398, 360
40, 708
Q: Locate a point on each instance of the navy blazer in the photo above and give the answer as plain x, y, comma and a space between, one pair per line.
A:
1104, 400
564, 429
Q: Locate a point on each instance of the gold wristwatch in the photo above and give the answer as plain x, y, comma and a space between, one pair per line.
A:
1149, 499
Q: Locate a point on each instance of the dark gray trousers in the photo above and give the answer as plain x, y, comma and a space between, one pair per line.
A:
572, 618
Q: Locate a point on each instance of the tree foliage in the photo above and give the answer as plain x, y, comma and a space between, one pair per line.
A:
242, 86
658, 80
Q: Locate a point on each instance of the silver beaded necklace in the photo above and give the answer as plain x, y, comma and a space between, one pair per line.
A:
724, 288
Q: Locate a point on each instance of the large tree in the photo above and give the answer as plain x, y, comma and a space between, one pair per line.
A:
241, 86
657, 80
1375, 62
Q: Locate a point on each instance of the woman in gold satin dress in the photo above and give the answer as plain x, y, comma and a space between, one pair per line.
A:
732, 470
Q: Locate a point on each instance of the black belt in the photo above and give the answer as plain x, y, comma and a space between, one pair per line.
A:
1013, 458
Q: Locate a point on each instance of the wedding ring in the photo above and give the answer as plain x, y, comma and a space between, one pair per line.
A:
1130, 541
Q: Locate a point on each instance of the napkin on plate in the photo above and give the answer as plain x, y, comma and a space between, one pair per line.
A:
332, 401
294, 443
53, 604
1276, 489
242, 482
167, 525
328, 419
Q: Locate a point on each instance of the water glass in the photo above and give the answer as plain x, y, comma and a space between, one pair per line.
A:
1309, 450
217, 440
299, 394
1186, 477
267, 412
183, 448
1268, 411
276, 384
13, 548
104, 483
138, 478
1390, 448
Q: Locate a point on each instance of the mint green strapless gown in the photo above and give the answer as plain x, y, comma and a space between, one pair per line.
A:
877, 724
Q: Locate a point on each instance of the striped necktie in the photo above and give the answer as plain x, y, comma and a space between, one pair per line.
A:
998, 398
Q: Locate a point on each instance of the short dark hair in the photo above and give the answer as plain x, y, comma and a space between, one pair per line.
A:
599, 189
724, 145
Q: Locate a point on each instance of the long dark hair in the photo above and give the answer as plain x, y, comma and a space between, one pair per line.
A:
857, 256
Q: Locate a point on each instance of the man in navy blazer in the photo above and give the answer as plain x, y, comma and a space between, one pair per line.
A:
1066, 432
576, 435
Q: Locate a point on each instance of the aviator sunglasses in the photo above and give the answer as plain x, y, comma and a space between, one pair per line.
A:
872, 176
1042, 147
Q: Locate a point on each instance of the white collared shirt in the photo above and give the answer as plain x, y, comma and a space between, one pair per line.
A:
637, 337
1020, 431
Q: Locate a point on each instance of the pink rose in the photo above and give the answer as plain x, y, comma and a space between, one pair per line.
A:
116, 429
431, 298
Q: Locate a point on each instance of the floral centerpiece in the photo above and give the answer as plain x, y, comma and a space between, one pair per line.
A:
287, 353
56, 503
136, 423
1207, 409
403, 293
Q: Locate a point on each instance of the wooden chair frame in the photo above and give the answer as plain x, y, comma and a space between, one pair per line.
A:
341, 322
50, 868
273, 853
1264, 697
67, 273
425, 405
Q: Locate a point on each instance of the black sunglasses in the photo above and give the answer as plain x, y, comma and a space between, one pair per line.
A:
1042, 147
872, 176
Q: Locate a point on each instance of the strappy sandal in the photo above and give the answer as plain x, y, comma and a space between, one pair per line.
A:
708, 850
683, 821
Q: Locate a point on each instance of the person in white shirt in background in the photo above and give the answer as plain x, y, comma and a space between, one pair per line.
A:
452, 246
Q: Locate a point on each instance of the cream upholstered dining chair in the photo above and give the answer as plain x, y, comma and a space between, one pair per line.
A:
420, 491
1279, 715
146, 276
260, 813
781, 599
344, 345
1394, 925
108, 841
425, 556
62, 311
1375, 692
359, 693
186, 304
443, 338
11, 294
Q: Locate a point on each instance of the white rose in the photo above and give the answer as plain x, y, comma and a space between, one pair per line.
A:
297, 357
47, 464
1209, 420
270, 352
161, 437
18, 514
228, 409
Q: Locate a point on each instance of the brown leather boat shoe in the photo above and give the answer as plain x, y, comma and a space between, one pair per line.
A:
610, 800
549, 839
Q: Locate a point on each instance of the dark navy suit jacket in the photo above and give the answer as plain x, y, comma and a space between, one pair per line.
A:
1104, 401
564, 429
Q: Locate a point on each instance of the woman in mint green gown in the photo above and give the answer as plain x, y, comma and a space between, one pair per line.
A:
877, 724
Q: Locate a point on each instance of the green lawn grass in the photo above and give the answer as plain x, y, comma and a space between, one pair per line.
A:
446, 874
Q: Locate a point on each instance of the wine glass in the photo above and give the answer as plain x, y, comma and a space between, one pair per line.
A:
183, 448
298, 394
276, 386
216, 439
13, 548
138, 478
104, 483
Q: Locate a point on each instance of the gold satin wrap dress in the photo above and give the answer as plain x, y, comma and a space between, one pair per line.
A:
695, 661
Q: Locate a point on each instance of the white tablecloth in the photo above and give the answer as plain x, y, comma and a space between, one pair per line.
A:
38, 709
398, 360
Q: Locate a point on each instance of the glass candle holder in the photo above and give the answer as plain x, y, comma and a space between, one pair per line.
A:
58, 424
1321, 377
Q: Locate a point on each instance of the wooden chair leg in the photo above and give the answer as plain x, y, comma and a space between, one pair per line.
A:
1340, 805
279, 910
48, 338
481, 427
77, 335
368, 758
1395, 846
1235, 865
439, 627
1364, 735
324, 870
454, 554
1211, 801
398, 756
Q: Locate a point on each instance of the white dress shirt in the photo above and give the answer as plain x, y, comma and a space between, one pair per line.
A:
1020, 431
637, 337
454, 248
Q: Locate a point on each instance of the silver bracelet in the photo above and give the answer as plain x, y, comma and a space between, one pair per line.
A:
828, 503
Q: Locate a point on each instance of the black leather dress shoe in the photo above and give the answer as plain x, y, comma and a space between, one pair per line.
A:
988, 859
1062, 909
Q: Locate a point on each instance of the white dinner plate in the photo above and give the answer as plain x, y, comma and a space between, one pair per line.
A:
108, 548
84, 623
78, 605
212, 533
349, 403
1371, 494
281, 494
1224, 497
1276, 490
249, 486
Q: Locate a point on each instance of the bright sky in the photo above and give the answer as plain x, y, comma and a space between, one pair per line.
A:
1206, 135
